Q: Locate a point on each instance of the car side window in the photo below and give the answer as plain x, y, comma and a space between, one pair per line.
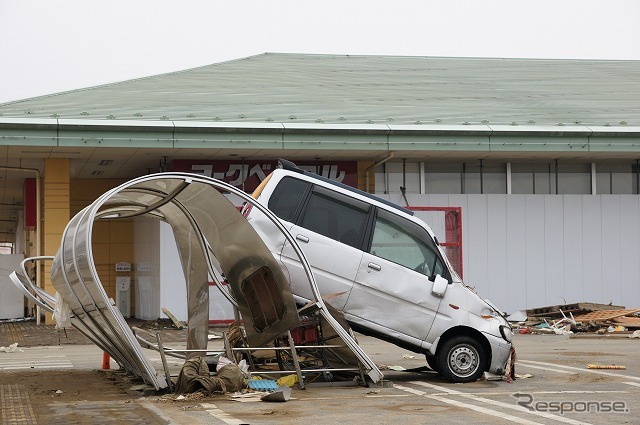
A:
287, 196
335, 216
404, 242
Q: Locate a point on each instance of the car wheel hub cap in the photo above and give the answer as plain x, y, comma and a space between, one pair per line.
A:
463, 361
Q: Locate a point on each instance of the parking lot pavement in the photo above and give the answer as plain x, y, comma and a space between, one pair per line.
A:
560, 390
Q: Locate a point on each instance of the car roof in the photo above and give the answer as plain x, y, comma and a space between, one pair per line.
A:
290, 166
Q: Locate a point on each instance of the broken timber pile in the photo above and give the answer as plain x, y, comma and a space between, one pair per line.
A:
582, 317
576, 308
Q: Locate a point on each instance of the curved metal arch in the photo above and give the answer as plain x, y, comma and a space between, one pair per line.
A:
200, 216
29, 289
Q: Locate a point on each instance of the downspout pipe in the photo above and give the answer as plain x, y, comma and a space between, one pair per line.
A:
382, 161
36, 172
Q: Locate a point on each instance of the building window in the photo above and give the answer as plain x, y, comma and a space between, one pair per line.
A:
616, 179
533, 178
574, 179
443, 178
484, 177
408, 178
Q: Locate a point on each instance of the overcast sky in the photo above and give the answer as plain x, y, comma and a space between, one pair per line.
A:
52, 46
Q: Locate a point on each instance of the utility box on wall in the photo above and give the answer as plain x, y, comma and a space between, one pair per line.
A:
123, 288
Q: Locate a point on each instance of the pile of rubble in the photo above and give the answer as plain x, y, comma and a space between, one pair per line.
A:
578, 317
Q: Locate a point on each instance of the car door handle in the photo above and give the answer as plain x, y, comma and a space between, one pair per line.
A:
375, 266
302, 238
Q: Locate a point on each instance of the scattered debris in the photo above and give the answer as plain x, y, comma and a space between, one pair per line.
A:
178, 324
288, 380
158, 324
604, 315
10, 349
244, 397
488, 376
262, 384
636, 334
408, 356
283, 393
195, 376
577, 318
397, 368
576, 308
602, 366
518, 316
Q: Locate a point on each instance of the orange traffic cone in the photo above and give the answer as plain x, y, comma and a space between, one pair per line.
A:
106, 364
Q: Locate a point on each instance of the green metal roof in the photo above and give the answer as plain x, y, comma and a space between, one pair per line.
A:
301, 88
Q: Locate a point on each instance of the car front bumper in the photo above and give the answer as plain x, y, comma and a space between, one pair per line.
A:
500, 350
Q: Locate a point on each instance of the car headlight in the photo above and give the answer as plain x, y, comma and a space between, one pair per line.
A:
506, 333
489, 313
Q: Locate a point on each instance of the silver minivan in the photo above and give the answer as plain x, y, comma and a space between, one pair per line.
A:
384, 269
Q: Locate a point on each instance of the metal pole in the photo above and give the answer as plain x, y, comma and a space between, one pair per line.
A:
164, 362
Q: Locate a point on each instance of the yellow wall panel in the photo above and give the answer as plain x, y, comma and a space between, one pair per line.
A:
121, 232
57, 170
101, 231
100, 253
120, 252
56, 211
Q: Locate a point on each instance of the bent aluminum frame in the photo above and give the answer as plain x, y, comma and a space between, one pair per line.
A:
211, 236
30, 290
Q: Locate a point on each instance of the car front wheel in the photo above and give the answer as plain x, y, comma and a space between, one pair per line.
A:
461, 359
432, 361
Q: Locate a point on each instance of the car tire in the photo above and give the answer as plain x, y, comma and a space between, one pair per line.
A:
432, 361
461, 359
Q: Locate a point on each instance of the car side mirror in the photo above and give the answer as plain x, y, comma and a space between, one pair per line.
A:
439, 286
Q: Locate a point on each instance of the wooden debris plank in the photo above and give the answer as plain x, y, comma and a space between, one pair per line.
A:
604, 315
575, 308
606, 366
173, 318
629, 322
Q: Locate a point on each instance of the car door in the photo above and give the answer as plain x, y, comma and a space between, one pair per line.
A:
330, 231
394, 280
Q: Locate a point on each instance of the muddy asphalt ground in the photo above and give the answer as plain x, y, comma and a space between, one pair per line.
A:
57, 379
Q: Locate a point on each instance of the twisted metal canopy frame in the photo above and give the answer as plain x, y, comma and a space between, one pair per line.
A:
213, 239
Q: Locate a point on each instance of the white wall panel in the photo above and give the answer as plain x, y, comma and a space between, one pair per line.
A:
553, 252
535, 260
173, 287
476, 236
573, 260
630, 250
611, 249
592, 254
11, 298
496, 283
516, 252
